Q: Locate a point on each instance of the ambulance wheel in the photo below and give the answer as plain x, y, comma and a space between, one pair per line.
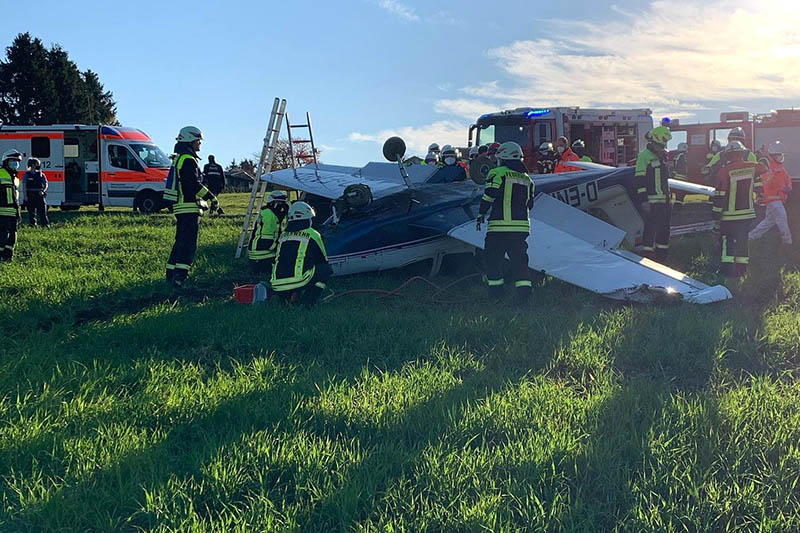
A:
148, 202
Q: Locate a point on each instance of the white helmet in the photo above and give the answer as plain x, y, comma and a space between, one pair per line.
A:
189, 134
736, 134
775, 147
473, 152
682, 147
300, 211
277, 196
12, 154
508, 151
434, 147
431, 158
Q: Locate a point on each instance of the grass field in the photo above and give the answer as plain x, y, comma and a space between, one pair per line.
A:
125, 406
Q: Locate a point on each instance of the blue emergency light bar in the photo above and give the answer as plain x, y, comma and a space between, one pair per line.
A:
536, 112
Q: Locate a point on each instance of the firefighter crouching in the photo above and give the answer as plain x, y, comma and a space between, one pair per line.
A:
9, 203
509, 195
264, 240
187, 194
301, 264
654, 195
35, 193
734, 209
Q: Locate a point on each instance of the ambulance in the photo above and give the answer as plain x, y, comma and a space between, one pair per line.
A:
87, 165
612, 137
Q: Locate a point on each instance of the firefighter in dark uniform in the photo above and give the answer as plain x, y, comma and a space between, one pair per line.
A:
214, 179
546, 162
189, 195
264, 239
680, 172
301, 264
9, 203
509, 195
734, 208
653, 194
35, 193
718, 159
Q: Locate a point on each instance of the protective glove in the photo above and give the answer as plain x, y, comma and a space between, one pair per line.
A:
478, 222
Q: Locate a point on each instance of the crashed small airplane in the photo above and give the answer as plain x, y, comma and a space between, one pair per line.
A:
389, 215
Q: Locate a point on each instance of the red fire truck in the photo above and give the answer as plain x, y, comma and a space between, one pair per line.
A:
761, 130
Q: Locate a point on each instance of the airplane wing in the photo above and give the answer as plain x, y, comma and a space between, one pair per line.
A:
680, 185
580, 249
329, 181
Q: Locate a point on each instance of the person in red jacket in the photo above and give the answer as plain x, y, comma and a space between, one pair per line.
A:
777, 186
565, 155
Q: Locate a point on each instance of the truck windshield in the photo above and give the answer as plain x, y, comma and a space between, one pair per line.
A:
151, 155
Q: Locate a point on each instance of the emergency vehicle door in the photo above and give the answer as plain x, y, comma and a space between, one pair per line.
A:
122, 174
49, 149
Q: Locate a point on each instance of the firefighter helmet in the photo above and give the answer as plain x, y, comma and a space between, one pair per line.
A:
434, 147
448, 150
736, 134
578, 143
509, 151
661, 135
545, 148
277, 196
12, 154
473, 152
682, 147
431, 158
483, 149
300, 211
775, 147
189, 134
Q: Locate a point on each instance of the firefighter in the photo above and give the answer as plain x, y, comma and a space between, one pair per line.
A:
453, 169
473, 153
431, 159
509, 195
777, 185
546, 162
9, 203
734, 209
434, 147
190, 195
718, 159
491, 152
579, 147
565, 155
214, 178
654, 195
679, 170
35, 193
301, 264
264, 239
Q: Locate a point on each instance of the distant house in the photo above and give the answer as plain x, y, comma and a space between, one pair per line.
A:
237, 180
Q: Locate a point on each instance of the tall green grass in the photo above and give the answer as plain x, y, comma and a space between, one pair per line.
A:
125, 406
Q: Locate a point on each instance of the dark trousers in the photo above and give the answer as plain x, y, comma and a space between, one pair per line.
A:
8, 237
263, 266
734, 247
655, 240
37, 207
182, 256
497, 246
309, 294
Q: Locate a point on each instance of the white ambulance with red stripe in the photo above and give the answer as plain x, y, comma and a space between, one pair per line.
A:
86, 165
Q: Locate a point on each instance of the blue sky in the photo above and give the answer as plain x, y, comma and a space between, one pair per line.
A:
366, 69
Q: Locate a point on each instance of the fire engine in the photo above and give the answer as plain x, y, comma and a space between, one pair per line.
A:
85, 165
761, 130
613, 137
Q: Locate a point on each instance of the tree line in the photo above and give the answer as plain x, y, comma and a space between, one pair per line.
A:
44, 86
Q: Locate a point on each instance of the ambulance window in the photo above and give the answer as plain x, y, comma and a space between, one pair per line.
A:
543, 133
121, 157
40, 147
71, 148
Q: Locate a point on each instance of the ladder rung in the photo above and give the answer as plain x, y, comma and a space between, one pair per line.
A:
298, 125
301, 141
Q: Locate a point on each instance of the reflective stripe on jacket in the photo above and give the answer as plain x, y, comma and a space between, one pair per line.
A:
509, 194
9, 194
733, 197
653, 177
264, 240
299, 253
189, 183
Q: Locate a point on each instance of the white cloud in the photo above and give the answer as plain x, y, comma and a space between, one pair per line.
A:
400, 9
418, 138
674, 56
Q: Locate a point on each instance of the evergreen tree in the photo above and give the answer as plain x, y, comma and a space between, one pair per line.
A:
27, 91
40, 86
